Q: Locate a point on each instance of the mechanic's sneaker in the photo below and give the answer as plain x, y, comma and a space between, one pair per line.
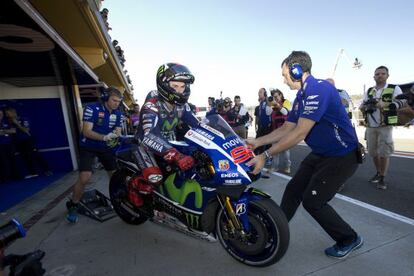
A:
381, 184
340, 252
287, 170
375, 178
72, 215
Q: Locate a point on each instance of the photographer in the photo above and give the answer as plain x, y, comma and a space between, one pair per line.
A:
263, 118
214, 105
281, 107
224, 109
241, 117
377, 108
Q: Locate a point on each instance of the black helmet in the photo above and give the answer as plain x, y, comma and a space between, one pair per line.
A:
174, 72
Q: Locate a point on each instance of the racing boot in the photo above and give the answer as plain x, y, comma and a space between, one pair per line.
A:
135, 198
143, 185
134, 191
151, 178
140, 185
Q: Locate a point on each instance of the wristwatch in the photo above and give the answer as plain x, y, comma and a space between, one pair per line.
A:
267, 155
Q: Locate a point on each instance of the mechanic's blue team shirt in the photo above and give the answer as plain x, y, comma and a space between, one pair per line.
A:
332, 134
103, 122
5, 139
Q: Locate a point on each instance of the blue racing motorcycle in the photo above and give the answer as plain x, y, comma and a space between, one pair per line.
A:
211, 201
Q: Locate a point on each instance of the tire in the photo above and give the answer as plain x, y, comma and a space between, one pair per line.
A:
268, 238
118, 194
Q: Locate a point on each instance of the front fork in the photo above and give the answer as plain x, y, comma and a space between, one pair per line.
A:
236, 211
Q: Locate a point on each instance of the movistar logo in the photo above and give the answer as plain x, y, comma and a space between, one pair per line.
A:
167, 126
180, 194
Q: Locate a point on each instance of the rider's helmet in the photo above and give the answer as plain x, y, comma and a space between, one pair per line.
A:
174, 72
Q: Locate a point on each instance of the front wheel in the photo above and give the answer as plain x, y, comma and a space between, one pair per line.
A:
118, 193
268, 239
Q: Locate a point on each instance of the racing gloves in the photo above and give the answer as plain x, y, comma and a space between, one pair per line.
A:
184, 162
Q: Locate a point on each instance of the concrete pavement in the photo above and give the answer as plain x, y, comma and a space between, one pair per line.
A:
115, 248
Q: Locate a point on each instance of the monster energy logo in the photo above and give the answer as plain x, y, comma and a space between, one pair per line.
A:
161, 69
180, 194
167, 126
192, 220
256, 191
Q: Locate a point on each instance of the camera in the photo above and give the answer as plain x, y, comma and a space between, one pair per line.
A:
370, 105
398, 103
403, 100
219, 104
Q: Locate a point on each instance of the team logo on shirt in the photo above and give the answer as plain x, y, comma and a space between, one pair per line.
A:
112, 118
101, 114
311, 97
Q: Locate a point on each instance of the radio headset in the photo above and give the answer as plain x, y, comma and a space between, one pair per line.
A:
296, 72
107, 92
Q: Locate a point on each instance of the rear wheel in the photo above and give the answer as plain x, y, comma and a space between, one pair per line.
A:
267, 240
118, 193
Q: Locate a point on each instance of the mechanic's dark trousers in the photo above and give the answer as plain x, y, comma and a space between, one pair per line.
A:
262, 132
31, 155
315, 184
8, 167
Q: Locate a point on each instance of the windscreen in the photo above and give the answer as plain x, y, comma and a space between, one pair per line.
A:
218, 123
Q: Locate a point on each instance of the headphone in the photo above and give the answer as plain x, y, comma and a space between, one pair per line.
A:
295, 72
108, 92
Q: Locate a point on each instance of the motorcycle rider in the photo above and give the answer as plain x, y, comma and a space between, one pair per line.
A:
162, 111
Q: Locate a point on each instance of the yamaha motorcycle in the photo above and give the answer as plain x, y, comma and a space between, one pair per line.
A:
211, 201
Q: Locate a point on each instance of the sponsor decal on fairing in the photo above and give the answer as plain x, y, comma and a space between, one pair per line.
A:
224, 165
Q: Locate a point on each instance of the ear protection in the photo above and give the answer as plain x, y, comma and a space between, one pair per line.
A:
295, 72
106, 93
104, 96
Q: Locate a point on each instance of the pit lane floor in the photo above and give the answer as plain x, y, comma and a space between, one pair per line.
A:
115, 248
